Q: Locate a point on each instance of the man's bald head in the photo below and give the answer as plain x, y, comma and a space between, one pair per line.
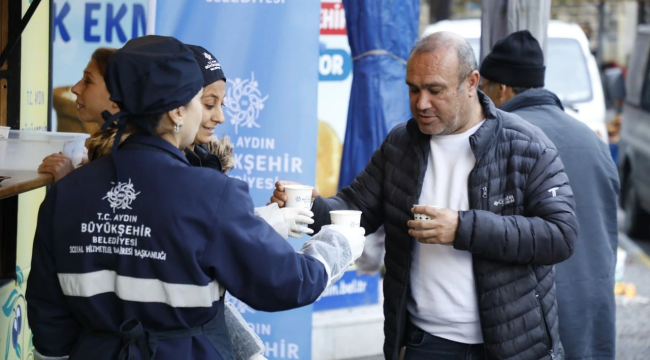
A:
445, 40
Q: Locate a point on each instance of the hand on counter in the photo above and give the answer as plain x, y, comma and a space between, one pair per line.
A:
57, 165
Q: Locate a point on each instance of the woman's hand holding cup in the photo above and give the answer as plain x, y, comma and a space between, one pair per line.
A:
297, 221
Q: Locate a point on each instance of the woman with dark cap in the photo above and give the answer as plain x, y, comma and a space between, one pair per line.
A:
210, 152
285, 220
205, 151
133, 252
245, 342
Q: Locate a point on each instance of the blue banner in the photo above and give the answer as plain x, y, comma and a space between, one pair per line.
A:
269, 51
80, 27
379, 97
351, 291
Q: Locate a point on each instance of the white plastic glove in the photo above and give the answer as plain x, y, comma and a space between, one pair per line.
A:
287, 222
336, 247
297, 220
354, 236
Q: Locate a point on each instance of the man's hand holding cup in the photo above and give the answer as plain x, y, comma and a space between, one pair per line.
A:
433, 225
295, 201
281, 195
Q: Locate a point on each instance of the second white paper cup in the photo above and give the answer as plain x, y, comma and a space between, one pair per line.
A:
424, 216
350, 218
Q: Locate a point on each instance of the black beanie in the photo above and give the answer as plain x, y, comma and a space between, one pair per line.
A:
516, 61
210, 67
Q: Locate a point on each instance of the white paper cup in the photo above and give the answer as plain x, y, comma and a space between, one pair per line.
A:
421, 217
350, 218
4, 132
3, 153
424, 216
298, 196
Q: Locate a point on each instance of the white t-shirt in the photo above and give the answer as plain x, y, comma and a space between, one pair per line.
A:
443, 293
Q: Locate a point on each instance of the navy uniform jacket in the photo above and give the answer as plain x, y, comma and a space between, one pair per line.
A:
161, 246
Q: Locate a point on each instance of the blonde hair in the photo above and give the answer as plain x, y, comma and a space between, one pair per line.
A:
101, 142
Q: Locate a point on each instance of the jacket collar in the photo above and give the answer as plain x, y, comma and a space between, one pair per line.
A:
202, 157
192, 157
533, 97
483, 138
155, 142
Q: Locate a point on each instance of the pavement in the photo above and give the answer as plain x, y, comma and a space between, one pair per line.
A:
633, 315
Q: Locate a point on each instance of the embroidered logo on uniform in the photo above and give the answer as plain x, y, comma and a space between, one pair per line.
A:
244, 102
212, 64
505, 201
121, 195
554, 191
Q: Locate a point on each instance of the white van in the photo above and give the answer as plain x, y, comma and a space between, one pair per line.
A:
571, 70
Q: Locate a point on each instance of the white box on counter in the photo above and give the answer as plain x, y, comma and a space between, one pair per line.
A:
25, 150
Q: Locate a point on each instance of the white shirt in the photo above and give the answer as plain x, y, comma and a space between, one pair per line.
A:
443, 293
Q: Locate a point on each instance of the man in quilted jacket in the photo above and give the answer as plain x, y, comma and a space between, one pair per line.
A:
473, 277
512, 75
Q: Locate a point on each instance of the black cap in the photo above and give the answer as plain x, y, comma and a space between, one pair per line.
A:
517, 60
151, 75
210, 67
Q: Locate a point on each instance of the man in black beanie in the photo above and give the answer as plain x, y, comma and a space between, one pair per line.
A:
512, 75
515, 64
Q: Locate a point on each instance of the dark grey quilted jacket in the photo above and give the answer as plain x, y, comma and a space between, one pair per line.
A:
521, 223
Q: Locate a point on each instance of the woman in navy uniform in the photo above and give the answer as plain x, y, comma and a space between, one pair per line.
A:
133, 252
285, 221
93, 96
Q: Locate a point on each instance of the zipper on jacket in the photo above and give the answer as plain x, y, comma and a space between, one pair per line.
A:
484, 207
402, 301
486, 202
546, 329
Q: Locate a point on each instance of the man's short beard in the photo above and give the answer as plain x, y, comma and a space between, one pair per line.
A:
452, 126
457, 123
